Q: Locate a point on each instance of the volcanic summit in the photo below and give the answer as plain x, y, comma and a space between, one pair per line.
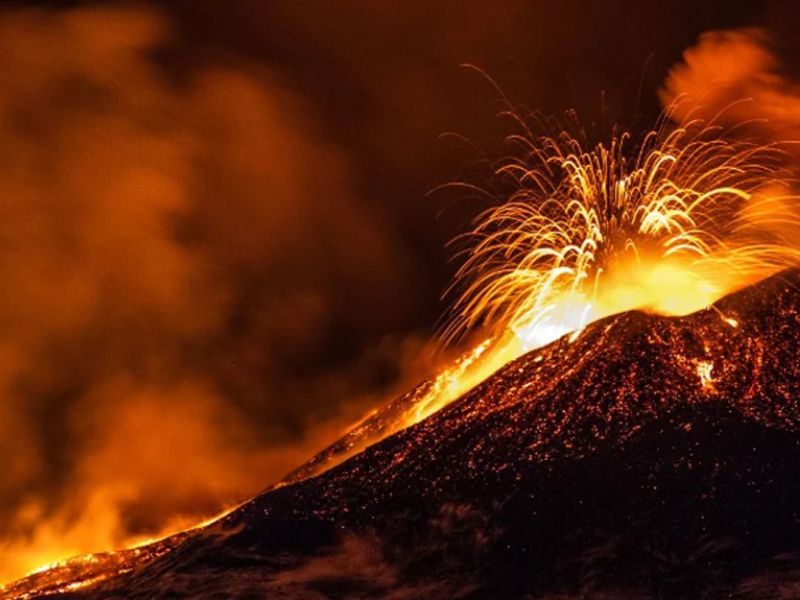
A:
650, 457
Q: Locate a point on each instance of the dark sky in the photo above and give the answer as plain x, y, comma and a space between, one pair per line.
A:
219, 241
384, 80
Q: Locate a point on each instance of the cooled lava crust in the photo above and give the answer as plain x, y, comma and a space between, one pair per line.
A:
651, 457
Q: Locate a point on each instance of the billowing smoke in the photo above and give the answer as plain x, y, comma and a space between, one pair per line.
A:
172, 243
736, 77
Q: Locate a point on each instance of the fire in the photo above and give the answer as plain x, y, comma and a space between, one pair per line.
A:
704, 372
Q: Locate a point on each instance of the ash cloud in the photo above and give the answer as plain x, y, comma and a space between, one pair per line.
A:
736, 79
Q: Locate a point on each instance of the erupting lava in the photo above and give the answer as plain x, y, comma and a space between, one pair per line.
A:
668, 226
686, 217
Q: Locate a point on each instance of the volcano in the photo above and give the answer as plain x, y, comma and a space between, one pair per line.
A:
650, 457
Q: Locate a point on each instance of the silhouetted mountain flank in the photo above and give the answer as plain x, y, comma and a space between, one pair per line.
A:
652, 457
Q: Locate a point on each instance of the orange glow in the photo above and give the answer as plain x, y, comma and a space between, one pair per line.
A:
56, 548
668, 225
704, 372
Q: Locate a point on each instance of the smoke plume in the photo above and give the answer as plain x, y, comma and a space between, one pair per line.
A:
172, 245
736, 77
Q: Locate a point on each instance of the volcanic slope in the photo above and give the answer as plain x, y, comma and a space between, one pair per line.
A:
651, 457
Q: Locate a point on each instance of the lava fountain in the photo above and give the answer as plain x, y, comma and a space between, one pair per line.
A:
667, 225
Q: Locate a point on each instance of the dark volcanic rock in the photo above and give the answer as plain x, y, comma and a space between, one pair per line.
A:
652, 457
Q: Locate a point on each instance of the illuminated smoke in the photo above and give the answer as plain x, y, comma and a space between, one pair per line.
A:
153, 231
735, 76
